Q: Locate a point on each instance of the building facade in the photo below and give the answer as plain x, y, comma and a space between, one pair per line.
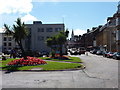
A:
105, 37
38, 34
7, 42
0, 42
74, 41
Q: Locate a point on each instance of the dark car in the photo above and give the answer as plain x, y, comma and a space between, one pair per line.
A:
44, 53
105, 53
99, 52
116, 55
110, 54
81, 50
94, 51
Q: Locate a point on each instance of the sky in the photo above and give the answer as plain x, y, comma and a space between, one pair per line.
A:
77, 16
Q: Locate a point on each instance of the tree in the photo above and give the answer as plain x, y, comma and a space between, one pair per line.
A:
61, 39
51, 41
67, 33
19, 32
58, 40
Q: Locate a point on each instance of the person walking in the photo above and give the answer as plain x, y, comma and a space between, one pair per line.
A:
86, 53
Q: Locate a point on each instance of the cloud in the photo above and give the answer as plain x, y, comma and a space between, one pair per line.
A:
28, 18
15, 6
1, 30
79, 32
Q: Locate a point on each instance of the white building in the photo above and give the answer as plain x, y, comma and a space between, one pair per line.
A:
8, 42
36, 41
39, 33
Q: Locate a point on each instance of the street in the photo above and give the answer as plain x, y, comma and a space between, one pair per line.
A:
100, 72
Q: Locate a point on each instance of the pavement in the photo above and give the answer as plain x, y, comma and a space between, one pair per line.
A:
100, 72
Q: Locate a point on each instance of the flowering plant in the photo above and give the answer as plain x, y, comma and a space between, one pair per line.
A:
63, 57
30, 61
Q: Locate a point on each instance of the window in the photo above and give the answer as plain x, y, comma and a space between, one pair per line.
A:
9, 38
9, 44
40, 38
117, 21
40, 29
4, 48
9, 48
57, 29
49, 30
5, 39
5, 44
47, 37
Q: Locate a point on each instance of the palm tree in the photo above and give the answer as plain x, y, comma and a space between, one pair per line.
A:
19, 32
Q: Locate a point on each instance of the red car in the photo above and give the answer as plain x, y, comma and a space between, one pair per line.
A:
110, 54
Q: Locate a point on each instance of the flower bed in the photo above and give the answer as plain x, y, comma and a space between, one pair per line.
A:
30, 61
63, 57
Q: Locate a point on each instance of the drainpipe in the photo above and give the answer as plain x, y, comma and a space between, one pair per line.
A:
118, 28
118, 39
110, 41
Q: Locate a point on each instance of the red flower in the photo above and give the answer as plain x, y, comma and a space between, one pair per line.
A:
29, 61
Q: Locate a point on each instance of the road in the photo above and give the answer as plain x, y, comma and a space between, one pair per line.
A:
100, 72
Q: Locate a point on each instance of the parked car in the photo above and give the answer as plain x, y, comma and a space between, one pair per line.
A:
105, 53
73, 51
7, 52
81, 50
91, 51
94, 51
116, 55
110, 54
44, 53
99, 52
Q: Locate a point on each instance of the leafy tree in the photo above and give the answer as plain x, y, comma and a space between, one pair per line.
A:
67, 33
51, 42
58, 40
19, 32
61, 39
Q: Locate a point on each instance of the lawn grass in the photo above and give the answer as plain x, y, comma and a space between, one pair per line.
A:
51, 65
72, 59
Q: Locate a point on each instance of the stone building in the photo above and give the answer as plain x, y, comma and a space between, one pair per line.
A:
107, 37
74, 41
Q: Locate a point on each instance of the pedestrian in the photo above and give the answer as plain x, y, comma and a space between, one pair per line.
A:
13, 53
86, 53
3, 57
